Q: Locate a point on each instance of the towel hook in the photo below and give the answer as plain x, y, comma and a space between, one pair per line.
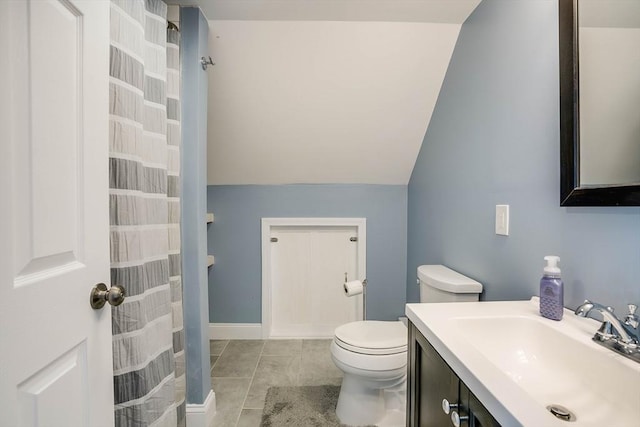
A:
205, 63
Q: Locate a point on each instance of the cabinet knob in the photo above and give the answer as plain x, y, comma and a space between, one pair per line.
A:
456, 419
447, 407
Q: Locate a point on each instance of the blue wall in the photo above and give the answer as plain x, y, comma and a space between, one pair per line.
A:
235, 283
494, 139
194, 45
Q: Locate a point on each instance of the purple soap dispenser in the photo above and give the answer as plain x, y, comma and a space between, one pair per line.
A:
551, 290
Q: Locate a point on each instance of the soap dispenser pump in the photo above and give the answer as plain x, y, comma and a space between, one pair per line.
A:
551, 290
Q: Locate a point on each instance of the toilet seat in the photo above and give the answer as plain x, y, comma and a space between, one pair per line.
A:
372, 337
368, 364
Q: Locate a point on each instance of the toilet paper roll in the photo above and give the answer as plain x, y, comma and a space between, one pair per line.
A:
353, 287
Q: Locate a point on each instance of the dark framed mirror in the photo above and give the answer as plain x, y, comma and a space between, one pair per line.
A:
614, 181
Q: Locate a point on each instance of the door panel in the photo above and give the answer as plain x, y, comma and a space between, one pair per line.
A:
46, 160
332, 255
290, 272
43, 394
56, 363
308, 266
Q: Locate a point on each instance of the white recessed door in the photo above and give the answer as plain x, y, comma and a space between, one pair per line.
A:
55, 356
308, 266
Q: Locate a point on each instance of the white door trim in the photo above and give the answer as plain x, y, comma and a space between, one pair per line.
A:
267, 223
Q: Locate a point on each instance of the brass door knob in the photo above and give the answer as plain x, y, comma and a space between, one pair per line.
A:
100, 295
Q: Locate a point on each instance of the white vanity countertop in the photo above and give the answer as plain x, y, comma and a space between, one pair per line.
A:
521, 360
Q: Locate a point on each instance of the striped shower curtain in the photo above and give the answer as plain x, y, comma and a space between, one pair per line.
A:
144, 160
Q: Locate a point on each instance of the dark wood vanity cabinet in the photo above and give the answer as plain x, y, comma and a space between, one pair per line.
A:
429, 381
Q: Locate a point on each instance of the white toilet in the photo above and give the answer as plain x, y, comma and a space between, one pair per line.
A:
373, 354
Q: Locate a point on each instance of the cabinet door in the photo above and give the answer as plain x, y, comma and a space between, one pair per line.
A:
479, 416
430, 381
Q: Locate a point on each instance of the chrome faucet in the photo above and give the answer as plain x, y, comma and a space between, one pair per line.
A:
621, 337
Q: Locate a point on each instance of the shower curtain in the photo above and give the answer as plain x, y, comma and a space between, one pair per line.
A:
144, 202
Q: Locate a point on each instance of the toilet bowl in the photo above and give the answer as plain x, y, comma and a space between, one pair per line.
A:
373, 354
373, 357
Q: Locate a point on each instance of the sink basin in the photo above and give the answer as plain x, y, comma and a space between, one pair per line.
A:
518, 363
553, 367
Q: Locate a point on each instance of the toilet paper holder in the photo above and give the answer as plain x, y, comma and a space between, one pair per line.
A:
364, 294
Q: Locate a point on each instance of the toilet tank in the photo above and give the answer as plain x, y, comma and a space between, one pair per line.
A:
441, 284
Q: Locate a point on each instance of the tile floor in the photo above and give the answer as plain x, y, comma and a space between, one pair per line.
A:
243, 370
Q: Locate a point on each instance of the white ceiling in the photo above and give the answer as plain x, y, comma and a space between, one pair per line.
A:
434, 11
324, 91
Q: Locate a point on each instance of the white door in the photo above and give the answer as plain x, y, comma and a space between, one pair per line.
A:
55, 356
308, 273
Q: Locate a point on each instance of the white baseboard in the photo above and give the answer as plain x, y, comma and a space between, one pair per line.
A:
308, 331
201, 415
235, 331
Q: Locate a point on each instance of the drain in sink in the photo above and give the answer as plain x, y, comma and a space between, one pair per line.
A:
561, 412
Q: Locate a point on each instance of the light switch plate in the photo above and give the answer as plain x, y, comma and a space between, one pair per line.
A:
502, 220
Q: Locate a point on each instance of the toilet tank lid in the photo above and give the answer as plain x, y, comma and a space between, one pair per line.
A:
445, 279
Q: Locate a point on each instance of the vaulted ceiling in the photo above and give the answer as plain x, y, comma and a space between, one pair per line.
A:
324, 91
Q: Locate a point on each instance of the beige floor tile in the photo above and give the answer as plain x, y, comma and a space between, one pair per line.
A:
239, 359
244, 346
243, 370
216, 347
271, 371
250, 418
230, 394
282, 348
316, 363
316, 345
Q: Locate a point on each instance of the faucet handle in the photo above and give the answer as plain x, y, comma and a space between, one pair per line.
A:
632, 318
606, 330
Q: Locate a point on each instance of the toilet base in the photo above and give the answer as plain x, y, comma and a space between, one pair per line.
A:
395, 400
358, 405
361, 405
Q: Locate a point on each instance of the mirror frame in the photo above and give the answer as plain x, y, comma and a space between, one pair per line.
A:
571, 194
